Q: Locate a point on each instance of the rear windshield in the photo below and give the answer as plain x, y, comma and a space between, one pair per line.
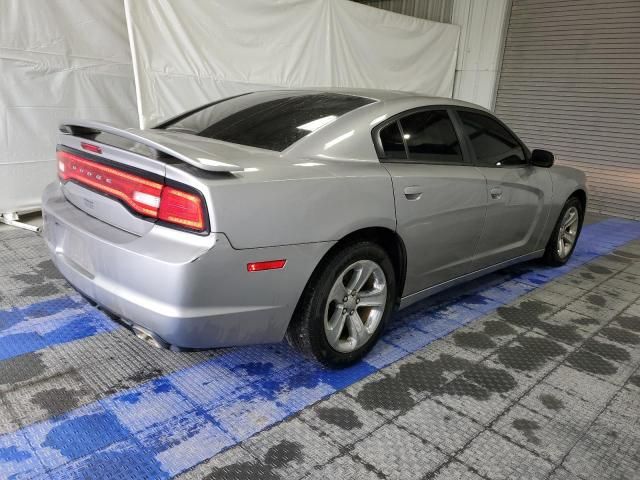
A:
270, 119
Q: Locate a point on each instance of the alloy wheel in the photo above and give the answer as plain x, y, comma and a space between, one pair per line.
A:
355, 306
568, 232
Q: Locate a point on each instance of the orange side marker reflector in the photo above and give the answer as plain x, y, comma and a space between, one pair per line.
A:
268, 265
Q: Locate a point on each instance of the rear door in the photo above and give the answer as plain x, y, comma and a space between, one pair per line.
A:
518, 193
440, 196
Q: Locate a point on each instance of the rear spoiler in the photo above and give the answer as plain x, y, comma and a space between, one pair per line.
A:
184, 152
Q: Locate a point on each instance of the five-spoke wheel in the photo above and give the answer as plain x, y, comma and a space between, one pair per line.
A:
355, 305
568, 231
565, 233
345, 305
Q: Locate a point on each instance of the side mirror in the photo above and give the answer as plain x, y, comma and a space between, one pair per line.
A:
542, 158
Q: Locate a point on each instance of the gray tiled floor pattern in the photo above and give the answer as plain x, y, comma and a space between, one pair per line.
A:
547, 387
54, 380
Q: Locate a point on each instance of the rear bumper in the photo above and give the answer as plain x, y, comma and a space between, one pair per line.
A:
191, 291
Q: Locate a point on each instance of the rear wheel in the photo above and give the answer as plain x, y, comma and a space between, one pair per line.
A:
565, 234
345, 306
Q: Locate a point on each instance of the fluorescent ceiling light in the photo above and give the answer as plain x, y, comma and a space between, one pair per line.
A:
316, 124
378, 119
214, 163
308, 164
338, 139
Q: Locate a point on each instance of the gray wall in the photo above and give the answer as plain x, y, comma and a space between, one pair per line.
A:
570, 83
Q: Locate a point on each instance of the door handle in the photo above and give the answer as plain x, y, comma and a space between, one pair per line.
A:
496, 193
413, 193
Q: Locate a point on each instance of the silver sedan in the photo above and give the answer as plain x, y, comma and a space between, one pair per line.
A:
310, 214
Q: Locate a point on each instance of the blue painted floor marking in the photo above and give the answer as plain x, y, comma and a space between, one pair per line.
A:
167, 425
17, 458
47, 323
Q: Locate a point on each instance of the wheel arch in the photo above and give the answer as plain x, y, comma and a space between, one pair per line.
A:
388, 239
581, 195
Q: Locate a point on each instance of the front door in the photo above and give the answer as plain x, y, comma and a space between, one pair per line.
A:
518, 193
440, 197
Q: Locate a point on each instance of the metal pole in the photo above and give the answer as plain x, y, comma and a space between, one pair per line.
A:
12, 218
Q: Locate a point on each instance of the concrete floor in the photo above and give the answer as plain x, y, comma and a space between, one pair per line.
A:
527, 373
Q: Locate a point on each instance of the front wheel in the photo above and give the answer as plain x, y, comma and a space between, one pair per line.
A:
565, 234
345, 306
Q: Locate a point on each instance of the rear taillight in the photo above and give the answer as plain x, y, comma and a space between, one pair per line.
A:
181, 208
140, 194
146, 197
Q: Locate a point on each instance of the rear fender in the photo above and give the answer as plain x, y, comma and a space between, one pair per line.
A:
318, 208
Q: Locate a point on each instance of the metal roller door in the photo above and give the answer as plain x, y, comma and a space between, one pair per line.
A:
570, 83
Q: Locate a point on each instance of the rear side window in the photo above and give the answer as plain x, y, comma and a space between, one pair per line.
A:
430, 137
422, 137
493, 144
273, 120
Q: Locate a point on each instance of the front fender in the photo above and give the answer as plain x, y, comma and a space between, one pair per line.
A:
566, 181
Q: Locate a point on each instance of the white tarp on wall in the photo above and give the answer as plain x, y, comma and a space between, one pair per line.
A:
189, 53
58, 59
72, 59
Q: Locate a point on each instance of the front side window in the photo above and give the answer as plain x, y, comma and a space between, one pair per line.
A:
493, 144
273, 120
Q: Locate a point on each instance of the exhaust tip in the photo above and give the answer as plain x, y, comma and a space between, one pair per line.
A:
149, 337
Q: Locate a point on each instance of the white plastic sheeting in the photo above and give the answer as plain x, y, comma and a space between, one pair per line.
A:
189, 53
73, 58
58, 59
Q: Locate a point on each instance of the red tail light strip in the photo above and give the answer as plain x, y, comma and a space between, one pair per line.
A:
146, 197
181, 208
129, 188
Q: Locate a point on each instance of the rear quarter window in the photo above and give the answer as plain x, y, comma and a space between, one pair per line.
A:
392, 142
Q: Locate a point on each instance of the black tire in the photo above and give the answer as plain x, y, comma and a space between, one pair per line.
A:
551, 256
306, 331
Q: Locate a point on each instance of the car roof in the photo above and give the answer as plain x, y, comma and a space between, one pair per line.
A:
381, 95
349, 136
